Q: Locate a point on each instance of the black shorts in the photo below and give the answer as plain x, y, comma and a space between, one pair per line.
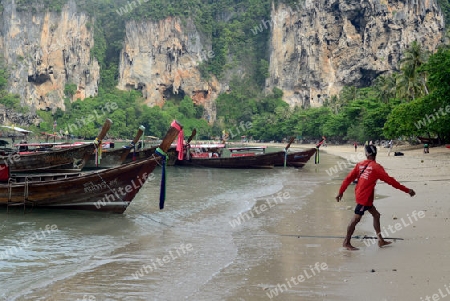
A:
360, 209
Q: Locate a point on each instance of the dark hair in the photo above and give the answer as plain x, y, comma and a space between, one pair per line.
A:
371, 150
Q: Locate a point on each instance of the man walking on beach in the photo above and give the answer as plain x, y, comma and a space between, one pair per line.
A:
367, 173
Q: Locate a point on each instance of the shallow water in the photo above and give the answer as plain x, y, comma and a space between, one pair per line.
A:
195, 249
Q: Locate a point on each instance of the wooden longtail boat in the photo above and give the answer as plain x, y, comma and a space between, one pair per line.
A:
172, 153
230, 162
32, 161
112, 157
249, 160
74, 156
211, 155
109, 190
295, 159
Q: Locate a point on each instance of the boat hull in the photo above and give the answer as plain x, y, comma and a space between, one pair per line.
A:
256, 161
109, 190
295, 159
113, 157
268, 160
33, 161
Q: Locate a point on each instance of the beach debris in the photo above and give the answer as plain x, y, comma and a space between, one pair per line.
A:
372, 271
394, 217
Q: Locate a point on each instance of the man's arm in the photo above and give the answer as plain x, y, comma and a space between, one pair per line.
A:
350, 178
383, 176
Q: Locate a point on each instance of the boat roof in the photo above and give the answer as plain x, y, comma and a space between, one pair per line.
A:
15, 128
62, 144
214, 145
236, 149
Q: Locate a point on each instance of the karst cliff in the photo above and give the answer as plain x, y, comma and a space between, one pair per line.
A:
320, 46
45, 51
316, 48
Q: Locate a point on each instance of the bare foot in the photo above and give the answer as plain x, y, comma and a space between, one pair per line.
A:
382, 243
350, 247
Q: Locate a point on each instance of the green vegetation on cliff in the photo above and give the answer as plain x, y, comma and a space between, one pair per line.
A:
10, 101
239, 32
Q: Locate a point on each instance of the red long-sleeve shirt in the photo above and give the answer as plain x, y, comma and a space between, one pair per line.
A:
365, 189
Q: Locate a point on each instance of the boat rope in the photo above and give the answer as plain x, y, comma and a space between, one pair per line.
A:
162, 194
156, 159
318, 145
98, 151
316, 156
285, 156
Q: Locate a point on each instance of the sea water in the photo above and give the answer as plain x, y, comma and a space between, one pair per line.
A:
208, 243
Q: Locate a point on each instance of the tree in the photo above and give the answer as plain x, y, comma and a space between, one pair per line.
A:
411, 82
385, 87
187, 108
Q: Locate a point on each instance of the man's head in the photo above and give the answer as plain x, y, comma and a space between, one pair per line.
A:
371, 151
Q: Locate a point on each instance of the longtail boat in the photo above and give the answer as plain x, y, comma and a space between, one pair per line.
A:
212, 155
245, 157
295, 159
110, 190
111, 157
49, 156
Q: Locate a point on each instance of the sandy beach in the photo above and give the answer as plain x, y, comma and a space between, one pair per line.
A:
415, 268
412, 268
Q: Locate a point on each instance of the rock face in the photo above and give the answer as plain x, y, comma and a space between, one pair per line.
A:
161, 59
8, 117
319, 46
46, 51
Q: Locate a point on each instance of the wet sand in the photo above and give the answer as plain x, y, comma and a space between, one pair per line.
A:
415, 268
306, 261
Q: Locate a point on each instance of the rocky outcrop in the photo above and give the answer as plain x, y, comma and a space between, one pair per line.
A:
11, 117
162, 58
46, 51
322, 45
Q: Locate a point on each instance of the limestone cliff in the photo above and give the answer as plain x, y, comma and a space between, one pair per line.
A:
161, 59
322, 45
45, 51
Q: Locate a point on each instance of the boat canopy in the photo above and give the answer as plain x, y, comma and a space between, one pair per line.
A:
216, 145
17, 129
247, 148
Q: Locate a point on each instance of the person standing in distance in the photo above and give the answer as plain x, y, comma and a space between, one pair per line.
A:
367, 173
